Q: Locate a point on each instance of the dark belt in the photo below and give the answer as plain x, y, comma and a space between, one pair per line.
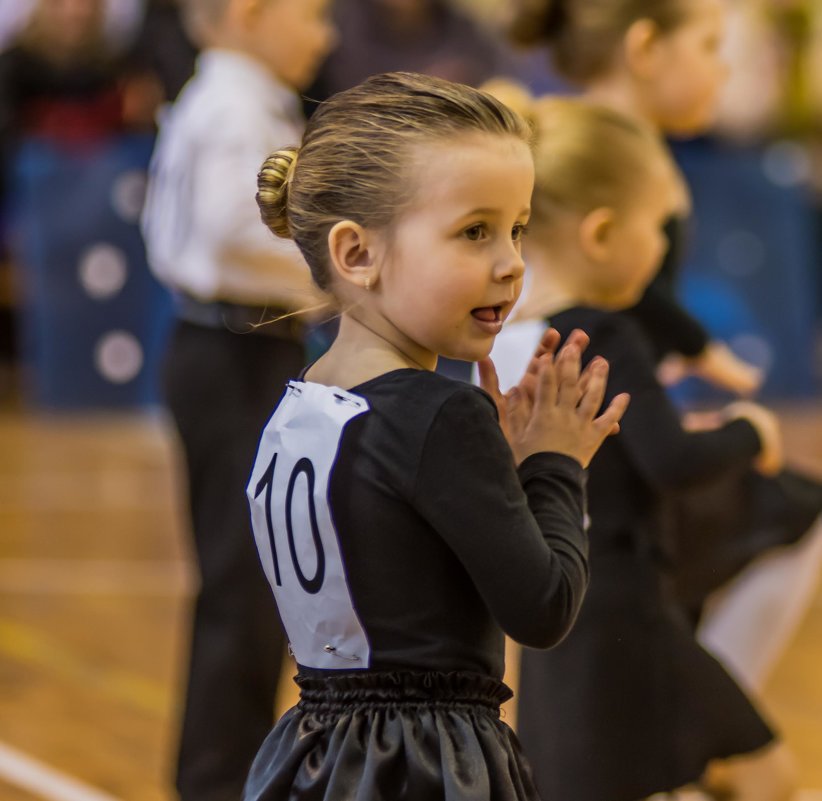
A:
270, 321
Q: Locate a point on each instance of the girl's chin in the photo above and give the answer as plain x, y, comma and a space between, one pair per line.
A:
619, 304
468, 354
627, 300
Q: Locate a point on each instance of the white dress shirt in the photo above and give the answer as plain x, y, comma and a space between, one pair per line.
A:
201, 222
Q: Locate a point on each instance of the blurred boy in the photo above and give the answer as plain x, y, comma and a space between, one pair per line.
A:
223, 375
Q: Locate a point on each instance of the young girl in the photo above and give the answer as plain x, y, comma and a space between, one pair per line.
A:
658, 61
629, 704
402, 527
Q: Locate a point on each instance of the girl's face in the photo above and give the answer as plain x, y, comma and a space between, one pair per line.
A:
71, 22
302, 33
451, 267
684, 95
637, 242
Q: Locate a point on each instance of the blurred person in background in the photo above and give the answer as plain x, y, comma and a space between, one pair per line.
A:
232, 350
121, 19
773, 100
433, 37
614, 73
62, 81
661, 64
165, 45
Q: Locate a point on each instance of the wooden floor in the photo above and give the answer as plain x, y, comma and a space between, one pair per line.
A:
95, 589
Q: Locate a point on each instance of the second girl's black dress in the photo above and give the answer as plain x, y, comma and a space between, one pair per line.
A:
720, 526
629, 704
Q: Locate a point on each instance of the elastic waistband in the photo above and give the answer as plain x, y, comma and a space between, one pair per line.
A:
335, 693
238, 318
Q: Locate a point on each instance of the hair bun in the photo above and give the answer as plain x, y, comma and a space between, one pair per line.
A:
273, 181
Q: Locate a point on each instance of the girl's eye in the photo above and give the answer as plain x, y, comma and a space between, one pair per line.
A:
475, 232
519, 231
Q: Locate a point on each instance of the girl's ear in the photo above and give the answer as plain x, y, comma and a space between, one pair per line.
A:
595, 234
641, 48
352, 250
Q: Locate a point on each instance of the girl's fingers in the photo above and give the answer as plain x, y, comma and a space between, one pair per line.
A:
608, 422
593, 383
579, 338
547, 344
518, 410
568, 369
545, 394
529, 382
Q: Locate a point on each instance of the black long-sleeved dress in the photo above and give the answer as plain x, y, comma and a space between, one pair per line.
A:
719, 526
629, 704
401, 542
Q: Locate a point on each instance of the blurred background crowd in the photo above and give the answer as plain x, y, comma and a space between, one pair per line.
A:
84, 82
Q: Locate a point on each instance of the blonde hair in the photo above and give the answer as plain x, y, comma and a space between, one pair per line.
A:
585, 156
356, 157
585, 35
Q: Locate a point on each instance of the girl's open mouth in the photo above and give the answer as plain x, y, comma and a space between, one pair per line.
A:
489, 318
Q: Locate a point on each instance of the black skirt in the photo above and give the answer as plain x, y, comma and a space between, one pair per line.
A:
629, 704
397, 736
718, 529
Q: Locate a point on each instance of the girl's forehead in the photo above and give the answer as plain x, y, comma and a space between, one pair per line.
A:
460, 154
468, 140
491, 172
705, 12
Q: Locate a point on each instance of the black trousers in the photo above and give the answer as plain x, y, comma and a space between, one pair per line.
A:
221, 388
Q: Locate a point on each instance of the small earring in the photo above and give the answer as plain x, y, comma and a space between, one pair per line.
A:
367, 283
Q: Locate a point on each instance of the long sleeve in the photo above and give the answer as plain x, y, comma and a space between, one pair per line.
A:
519, 534
651, 432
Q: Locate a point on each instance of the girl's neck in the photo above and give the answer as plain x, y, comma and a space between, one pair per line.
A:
622, 95
547, 292
360, 352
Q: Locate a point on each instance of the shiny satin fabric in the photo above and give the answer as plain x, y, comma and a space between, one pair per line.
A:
393, 737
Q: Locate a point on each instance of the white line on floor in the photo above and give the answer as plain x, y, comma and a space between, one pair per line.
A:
39, 779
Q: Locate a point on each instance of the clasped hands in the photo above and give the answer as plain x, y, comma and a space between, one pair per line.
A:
554, 406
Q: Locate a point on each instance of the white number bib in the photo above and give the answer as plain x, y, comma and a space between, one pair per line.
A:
296, 538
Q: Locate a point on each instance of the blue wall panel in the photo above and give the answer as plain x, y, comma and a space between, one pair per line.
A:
93, 319
751, 266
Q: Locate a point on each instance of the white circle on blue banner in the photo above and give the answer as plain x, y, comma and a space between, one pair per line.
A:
118, 356
128, 194
754, 349
103, 270
787, 163
741, 253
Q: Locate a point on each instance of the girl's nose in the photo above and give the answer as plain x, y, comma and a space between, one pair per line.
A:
511, 266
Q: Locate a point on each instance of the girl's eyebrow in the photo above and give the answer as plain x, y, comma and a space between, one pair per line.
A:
492, 211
